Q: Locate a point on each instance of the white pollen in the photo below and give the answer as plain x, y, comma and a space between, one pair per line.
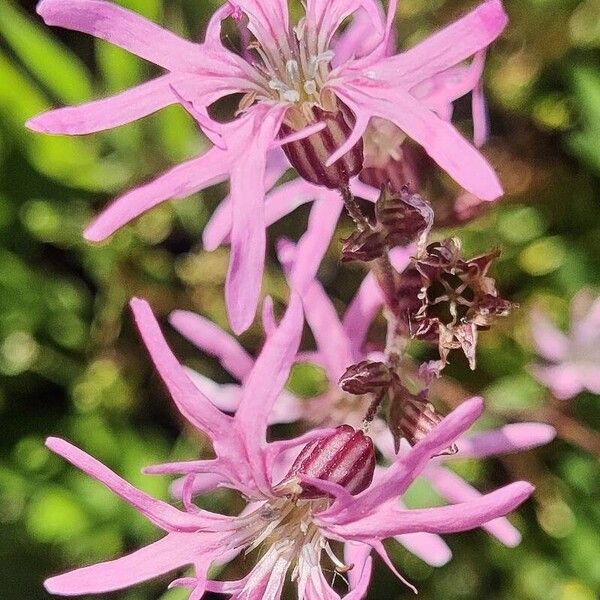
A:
371, 74
291, 96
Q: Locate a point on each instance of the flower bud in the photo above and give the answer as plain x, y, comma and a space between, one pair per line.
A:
309, 155
366, 377
345, 457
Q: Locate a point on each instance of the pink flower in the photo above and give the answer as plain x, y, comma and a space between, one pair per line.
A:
284, 73
573, 360
338, 346
292, 532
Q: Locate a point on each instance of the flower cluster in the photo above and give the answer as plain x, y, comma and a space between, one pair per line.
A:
296, 510
305, 89
362, 126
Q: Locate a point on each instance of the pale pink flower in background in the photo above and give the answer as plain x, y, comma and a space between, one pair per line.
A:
572, 360
338, 346
292, 88
291, 530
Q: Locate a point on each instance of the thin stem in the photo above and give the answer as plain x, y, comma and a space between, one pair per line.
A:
374, 406
387, 278
354, 210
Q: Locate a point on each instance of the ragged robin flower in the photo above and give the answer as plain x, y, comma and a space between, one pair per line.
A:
295, 93
295, 515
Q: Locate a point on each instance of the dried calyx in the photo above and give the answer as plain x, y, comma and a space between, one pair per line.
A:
400, 218
457, 298
409, 416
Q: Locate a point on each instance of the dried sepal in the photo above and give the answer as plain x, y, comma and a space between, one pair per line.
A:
365, 245
366, 377
404, 217
400, 219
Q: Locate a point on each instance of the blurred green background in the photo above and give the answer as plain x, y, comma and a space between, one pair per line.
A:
71, 363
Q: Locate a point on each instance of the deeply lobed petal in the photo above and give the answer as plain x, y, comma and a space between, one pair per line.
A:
125, 29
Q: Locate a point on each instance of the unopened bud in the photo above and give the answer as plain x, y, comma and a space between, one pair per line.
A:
346, 457
366, 377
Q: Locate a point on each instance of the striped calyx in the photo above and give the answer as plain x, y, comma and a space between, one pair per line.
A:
412, 417
310, 154
346, 457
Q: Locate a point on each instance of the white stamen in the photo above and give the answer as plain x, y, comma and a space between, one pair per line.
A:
291, 66
310, 87
291, 96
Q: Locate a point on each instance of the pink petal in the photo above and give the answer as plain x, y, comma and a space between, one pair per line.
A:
110, 112
389, 520
452, 487
361, 37
226, 396
586, 329
551, 343
446, 87
185, 467
203, 482
427, 546
439, 138
314, 243
192, 404
564, 380
123, 28
217, 230
264, 385
160, 513
269, 322
183, 180
268, 20
359, 576
323, 18
361, 312
479, 110
510, 438
446, 48
167, 554
213, 340
248, 235
332, 341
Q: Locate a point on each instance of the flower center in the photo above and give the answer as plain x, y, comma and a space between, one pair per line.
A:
285, 529
293, 74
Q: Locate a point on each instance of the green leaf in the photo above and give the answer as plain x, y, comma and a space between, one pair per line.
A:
59, 69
